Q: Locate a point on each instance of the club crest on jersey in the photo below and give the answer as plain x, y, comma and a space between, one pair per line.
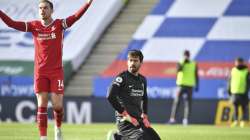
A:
118, 81
53, 35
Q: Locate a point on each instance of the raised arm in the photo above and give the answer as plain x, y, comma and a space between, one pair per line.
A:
73, 18
18, 25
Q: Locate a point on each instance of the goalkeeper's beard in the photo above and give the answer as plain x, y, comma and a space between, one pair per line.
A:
133, 69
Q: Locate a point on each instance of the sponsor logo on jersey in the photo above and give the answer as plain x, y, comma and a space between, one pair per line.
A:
43, 36
136, 92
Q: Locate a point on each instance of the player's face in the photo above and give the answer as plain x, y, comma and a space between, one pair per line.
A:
134, 64
237, 63
45, 11
186, 57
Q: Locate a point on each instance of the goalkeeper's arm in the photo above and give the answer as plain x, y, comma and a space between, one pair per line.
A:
112, 98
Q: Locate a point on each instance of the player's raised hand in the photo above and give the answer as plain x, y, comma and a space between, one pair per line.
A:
89, 1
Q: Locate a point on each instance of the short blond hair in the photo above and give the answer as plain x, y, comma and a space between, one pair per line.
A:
47, 1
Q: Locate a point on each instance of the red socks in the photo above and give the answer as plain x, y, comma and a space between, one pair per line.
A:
42, 120
58, 115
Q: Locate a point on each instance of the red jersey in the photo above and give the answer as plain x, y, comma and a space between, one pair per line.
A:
48, 40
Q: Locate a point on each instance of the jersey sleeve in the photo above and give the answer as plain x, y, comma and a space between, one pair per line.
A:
30, 26
229, 83
69, 21
197, 79
145, 97
179, 67
114, 91
18, 25
248, 82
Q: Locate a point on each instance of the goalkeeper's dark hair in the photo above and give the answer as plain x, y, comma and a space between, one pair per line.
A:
49, 2
136, 53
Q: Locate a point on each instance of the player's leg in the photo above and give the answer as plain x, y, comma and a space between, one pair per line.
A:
127, 131
187, 105
236, 110
245, 111
41, 88
150, 134
42, 115
175, 106
113, 135
145, 136
57, 89
57, 104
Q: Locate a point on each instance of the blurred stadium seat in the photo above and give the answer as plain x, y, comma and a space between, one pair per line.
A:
216, 32
113, 41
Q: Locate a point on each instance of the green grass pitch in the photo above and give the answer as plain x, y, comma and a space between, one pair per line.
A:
18, 131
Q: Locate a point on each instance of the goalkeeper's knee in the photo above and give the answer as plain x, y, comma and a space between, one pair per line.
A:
113, 135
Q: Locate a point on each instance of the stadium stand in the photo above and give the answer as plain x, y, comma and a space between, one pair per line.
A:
216, 32
113, 41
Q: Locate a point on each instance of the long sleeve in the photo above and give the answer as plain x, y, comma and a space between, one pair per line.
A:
179, 67
73, 18
145, 99
229, 85
197, 76
248, 82
113, 94
18, 25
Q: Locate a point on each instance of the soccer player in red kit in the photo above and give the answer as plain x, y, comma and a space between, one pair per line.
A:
48, 69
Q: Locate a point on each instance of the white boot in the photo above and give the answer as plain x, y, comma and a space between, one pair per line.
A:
185, 122
58, 134
172, 121
43, 138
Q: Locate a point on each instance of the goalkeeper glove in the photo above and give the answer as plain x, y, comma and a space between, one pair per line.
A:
127, 117
145, 120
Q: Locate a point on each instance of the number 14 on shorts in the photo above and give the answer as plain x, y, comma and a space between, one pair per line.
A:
60, 84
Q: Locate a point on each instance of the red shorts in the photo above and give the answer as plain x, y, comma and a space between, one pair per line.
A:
49, 83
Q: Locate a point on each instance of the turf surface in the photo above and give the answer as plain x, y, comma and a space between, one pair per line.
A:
17, 131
